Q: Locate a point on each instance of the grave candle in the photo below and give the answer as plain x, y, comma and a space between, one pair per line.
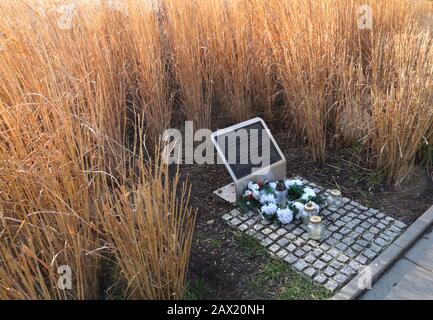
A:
309, 211
315, 228
335, 199
281, 193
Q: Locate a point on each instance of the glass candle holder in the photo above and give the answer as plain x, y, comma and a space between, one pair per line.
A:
310, 210
335, 199
315, 228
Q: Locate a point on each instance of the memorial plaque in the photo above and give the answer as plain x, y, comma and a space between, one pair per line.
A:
250, 153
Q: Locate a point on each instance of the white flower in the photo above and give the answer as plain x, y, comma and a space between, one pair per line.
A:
285, 215
253, 186
292, 182
269, 209
273, 185
256, 194
300, 208
267, 198
308, 194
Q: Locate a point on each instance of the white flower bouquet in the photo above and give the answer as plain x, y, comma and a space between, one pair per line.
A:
265, 199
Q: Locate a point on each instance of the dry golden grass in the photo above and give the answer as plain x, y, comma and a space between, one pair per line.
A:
68, 112
82, 108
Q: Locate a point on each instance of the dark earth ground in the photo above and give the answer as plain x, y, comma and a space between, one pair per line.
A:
227, 265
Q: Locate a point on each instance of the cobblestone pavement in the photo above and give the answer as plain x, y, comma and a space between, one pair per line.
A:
354, 236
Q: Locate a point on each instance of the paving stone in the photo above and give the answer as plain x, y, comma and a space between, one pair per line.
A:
373, 220
357, 247
290, 236
333, 252
274, 248
310, 258
340, 278
337, 236
250, 232
331, 285
235, 221
290, 258
266, 242
354, 265
283, 242
361, 259
329, 271
366, 225
326, 257
335, 264
368, 236
376, 248
300, 265
380, 215
381, 242
343, 258
306, 248
370, 254
373, 211
310, 272
282, 253
319, 265
324, 246
258, 226
331, 241
274, 236
341, 246
332, 228
317, 252
362, 243
339, 223
374, 230
243, 227
350, 253
399, 224
227, 217
299, 253
305, 236
344, 231
281, 231
313, 243
266, 231
299, 242
381, 226
298, 231
362, 216
348, 271
320, 278
291, 247
349, 241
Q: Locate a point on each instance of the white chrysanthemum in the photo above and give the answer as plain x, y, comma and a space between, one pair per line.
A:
267, 198
285, 215
269, 209
253, 186
308, 194
292, 182
300, 208
256, 194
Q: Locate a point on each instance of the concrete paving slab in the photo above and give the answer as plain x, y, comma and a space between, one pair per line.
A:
405, 281
422, 252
